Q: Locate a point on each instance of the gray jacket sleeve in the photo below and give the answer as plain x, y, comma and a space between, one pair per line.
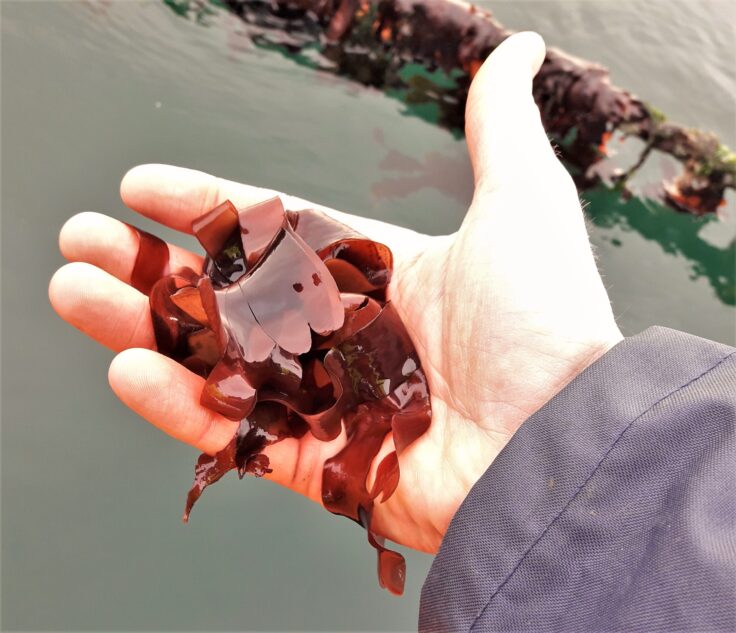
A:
613, 508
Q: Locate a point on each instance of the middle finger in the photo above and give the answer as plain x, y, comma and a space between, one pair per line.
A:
111, 245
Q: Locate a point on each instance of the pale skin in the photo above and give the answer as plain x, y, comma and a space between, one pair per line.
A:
504, 312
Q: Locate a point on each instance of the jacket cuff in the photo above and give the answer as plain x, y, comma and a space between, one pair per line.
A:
546, 464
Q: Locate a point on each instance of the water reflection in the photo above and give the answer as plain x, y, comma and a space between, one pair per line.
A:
407, 174
676, 234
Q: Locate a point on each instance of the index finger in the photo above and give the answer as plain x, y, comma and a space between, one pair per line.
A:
175, 196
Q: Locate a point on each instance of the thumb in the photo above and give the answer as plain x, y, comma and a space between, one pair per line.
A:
503, 127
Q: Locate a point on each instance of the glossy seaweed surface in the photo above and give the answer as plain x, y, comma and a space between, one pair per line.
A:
290, 326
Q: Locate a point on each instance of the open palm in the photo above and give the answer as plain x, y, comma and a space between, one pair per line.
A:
503, 313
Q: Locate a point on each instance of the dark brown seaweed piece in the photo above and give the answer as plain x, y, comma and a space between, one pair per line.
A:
267, 424
204, 346
208, 470
151, 262
214, 228
229, 265
407, 415
290, 328
377, 358
197, 366
219, 235
188, 300
171, 325
270, 423
209, 305
391, 565
228, 390
345, 474
238, 321
348, 277
259, 226
285, 313
387, 477
359, 312
412, 417
348, 254
363, 367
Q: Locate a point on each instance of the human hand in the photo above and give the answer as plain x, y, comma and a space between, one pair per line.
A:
503, 313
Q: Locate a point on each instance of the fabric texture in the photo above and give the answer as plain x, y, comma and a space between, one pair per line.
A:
613, 508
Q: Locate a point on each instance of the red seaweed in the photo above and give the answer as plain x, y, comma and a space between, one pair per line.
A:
151, 262
291, 327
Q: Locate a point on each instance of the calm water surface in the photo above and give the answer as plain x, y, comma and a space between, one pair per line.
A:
91, 496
